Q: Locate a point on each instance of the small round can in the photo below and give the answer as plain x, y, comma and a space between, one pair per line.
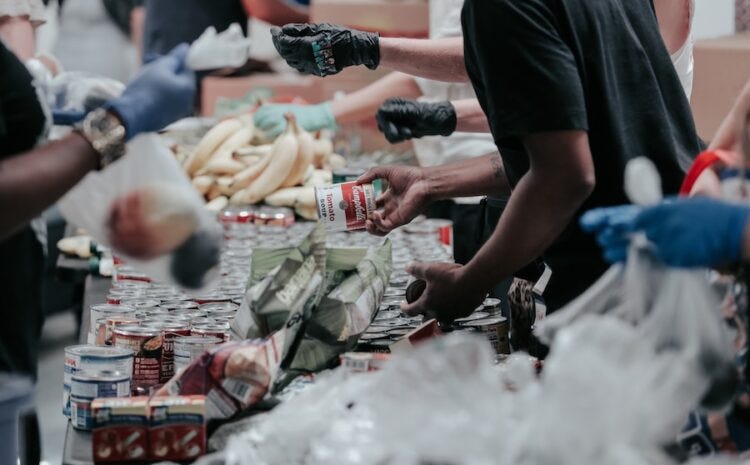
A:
103, 311
131, 285
219, 309
491, 305
95, 384
270, 216
104, 327
179, 305
220, 330
80, 413
141, 303
170, 330
495, 329
189, 348
211, 298
92, 358
146, 343
238, 214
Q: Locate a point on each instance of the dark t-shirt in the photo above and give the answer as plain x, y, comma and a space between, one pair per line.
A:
21, 116
170, 22
594, 65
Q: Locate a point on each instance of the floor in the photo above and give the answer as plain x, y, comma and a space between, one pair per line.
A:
59, 332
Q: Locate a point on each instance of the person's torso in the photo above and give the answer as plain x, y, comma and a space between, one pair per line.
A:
170, 22
634, 102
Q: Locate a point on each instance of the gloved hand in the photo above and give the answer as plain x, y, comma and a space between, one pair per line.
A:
613, 227
270, 117
162, 93
400, 119
697, 232
325, 49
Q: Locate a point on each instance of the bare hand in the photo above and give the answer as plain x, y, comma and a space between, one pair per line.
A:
448, 295
407, 195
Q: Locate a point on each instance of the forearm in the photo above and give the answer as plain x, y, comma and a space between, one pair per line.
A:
17, 34
364, 103
32, 181
438, 59
468, 178
470, 117
538, 212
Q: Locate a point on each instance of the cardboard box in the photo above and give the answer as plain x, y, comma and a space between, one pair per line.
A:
284, 86
722, 67
391, 18
177, 428
120, 431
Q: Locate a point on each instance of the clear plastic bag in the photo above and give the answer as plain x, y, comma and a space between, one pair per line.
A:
226, 49
148, 164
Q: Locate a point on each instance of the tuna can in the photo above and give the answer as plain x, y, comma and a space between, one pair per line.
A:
104, 311
220, 330
95, 384
170, 330
189, 348
92, 358
146, 343
346, 206
495, 329
80, 413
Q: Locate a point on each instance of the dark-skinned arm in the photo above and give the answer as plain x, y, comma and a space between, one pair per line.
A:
32, 181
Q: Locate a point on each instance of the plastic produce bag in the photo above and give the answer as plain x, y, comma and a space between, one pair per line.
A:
212, 50
78, 90
148, 166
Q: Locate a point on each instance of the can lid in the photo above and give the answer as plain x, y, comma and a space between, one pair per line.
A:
110, 308
197, 340
100, 375
136, 330
88, 350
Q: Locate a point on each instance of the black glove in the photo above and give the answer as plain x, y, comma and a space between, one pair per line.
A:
400, 119
325, 49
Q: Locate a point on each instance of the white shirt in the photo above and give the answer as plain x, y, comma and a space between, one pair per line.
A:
683, 58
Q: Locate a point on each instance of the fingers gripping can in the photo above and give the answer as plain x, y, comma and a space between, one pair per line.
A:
346, 206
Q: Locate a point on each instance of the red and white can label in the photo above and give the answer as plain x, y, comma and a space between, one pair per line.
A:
346, 206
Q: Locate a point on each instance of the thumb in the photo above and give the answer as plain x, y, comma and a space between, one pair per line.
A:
372, 174
178, 56
425, 271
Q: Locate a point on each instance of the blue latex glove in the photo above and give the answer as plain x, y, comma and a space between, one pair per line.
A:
612, 226
162, 93
67, 117
270, 117
697, 232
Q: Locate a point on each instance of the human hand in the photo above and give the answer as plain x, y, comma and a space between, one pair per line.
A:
448, 293
325, 49
696, 232
401, 119
162, 93
613, 227
407, 195
270, 117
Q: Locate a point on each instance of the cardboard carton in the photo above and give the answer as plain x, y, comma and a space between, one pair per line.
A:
391, 18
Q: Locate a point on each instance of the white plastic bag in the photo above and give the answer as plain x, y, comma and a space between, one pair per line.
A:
212, 50
147, 163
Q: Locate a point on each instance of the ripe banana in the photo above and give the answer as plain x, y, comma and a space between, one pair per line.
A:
210, 142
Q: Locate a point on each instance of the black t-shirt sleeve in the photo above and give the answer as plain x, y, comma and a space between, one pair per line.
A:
529, 75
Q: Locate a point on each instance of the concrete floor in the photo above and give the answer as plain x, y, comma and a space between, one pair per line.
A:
59, 332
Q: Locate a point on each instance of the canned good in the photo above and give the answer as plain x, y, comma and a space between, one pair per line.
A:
189, 348
211, 298
274, 216
141, 303
346, 206
473, 317
94, 384
104, 311
170, 330
362, 362
131, 285
220, 330
179, 305
237, 214
492, 306
219, 309
123, 274
495, 329
80, 413
92, 358
146, 343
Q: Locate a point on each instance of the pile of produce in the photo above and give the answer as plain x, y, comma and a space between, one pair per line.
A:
235, 163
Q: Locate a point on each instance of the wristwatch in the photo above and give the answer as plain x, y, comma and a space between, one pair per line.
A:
106, 134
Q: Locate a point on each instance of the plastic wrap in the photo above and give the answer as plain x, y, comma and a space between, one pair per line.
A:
146, 165
212, 50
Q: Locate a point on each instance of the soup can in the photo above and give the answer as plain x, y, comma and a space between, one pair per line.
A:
95, 384
92, 358
495, 329
189, 348
170, 330
146, 343
103, 311
227, 309
104, 327
220, 330
142, 303
345, 206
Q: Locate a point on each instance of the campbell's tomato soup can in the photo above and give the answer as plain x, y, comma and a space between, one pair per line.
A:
147, 344
170, 330
346, 206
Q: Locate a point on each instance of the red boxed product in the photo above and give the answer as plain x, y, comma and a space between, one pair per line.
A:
178, 428
120, 429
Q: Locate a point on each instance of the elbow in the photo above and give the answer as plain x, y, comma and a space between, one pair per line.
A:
579, 187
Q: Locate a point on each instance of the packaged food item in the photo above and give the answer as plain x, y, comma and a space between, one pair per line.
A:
495, 329
94, 384
80, 413
232, 376
215, 329
146, 344
120, 429
104, 326
170, 330
177, 427
187, 349
92, 358
362, 362
103, 311
267, 216
346, 206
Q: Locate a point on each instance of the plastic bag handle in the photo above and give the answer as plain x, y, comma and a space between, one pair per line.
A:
701, 163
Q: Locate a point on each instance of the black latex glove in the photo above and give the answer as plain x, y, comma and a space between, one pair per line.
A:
400, 119
325, 49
